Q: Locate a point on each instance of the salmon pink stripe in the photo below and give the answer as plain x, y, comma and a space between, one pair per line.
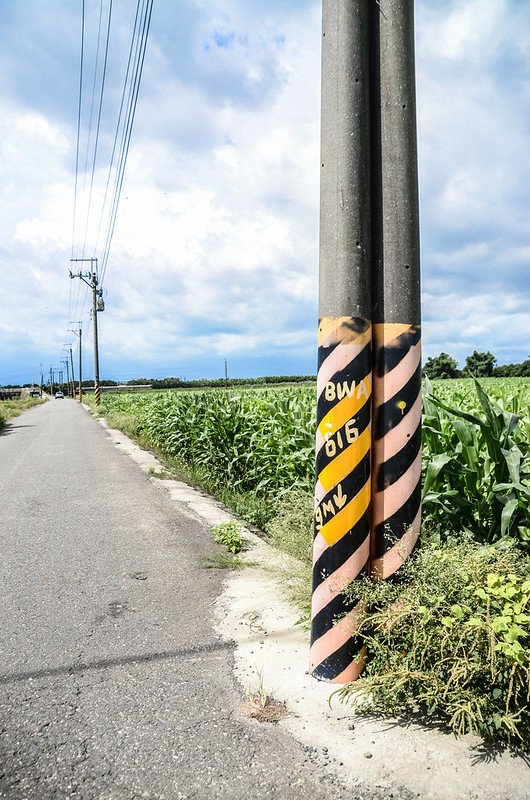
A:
319, 546
393, 559
332, 586
338, 359
320, 493
334, 639
396, 438
386, 503
353, 670
389, 384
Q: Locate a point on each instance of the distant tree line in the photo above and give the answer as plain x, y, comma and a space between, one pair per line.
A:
478, 365
178, 383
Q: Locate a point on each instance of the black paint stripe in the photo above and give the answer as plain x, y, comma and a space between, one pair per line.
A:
351, 484
335, 556
391, 530
390, 355
362, 420
328, 616
388, 415
337, 662
391, 470
357, 324
324, 352
356, 370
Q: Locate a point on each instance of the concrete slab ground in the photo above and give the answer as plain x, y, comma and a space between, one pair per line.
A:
272, 653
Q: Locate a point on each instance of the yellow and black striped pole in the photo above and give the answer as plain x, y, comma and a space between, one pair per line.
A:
368, 457
342, 497
396, 450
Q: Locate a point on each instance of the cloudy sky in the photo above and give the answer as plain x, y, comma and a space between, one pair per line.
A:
215, 250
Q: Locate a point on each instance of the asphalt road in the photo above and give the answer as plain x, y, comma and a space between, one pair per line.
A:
114, 683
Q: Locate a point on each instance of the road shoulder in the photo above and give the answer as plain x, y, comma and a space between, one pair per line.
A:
272, 653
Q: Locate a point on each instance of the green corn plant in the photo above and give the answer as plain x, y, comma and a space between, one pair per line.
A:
476, 470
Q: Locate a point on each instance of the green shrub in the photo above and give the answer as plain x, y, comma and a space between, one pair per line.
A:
451, 640
229, 535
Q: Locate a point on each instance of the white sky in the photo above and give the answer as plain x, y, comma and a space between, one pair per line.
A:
215, 253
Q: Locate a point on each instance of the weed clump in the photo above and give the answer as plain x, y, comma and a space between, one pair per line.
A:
229, 535
451, 641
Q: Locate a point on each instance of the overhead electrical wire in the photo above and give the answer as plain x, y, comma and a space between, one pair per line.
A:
118, 124
98, 125
92, 101
78, 120
126, 139
83, 206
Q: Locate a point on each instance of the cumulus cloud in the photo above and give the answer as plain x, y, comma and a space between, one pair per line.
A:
215, 251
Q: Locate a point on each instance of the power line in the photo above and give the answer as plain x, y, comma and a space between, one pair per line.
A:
128, 131
116, 133
98, 124
78, 120
96, 62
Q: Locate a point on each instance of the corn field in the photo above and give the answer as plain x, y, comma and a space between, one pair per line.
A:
476, 458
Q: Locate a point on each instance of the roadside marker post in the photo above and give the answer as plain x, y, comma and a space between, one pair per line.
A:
367, 512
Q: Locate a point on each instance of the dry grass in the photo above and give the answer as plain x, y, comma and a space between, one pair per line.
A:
261, 706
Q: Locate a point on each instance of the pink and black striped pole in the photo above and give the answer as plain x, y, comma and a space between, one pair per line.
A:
396, 448
367, 497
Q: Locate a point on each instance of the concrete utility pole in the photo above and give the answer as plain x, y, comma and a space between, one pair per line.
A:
65, 362
73, 375
344, 386
51, 380
91, 279
226, 372
79, 334
369, 329
396, 452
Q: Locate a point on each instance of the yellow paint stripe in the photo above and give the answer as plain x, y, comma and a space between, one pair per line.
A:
344, 463
385, 332
349, 516
335, 330
345, 409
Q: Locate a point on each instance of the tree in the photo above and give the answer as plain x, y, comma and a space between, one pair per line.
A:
442, 366
480, 365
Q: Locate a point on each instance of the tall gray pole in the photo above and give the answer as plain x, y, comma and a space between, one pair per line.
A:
396, 449
367, 497
80, 365
91, 279
73, 376
97, 390
342, 496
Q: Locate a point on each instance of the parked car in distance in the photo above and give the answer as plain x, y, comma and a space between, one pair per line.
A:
59, 396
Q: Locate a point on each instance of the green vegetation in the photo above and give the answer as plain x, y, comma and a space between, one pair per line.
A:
229, 535
478, 365
451, 638
12, 408
477, 468
451, 641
